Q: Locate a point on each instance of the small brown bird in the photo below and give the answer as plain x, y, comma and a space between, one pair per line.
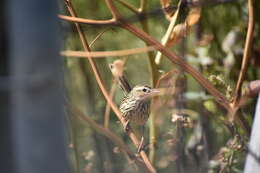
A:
135, 106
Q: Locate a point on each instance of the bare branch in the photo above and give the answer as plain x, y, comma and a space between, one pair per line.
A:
129, 6
102, 54
98, 36
179, 61
87, 21
247, 50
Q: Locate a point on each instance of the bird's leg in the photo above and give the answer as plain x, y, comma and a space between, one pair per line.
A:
141, 145
126, 126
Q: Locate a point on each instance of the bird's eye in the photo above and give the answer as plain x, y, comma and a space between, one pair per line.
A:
144, 90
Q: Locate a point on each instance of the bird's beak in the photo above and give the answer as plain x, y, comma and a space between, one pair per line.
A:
154, 92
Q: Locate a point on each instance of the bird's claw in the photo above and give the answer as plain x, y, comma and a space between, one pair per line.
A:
141, 146
126, 126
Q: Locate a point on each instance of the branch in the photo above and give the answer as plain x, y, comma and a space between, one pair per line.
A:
143, 5
129, 6
175, 59
98, 36
104, 91
87, 21
106, 132
108, 108
102, 54
179, 61
247, 50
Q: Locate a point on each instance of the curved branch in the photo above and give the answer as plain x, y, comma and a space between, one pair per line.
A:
88, 21
247, 49
179, 61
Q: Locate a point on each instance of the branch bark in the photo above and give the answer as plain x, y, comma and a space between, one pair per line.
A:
247, 51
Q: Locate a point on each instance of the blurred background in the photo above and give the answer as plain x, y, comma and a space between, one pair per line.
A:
188, 132
190, 125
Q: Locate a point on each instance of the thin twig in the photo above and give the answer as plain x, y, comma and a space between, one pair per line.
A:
98, 36
104, 91
88, 21
143, 5
247, 50
129, 6
108, 108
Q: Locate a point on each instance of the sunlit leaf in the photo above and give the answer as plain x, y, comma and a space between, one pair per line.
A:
178, 33
193, 17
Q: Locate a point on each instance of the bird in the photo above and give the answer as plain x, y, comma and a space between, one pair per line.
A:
135, 105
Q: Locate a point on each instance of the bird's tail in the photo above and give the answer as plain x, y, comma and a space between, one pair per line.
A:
117, 69
124, 84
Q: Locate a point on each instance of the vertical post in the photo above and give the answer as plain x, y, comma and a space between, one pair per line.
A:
253, 156
37, 114
5, 150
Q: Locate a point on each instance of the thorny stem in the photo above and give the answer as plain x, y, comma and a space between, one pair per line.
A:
103, 89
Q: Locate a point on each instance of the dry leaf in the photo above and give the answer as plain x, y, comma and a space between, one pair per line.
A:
193, 16
178, 33
166, 9
182, 29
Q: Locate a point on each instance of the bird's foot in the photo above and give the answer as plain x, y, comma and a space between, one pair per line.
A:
126, 126
142, 146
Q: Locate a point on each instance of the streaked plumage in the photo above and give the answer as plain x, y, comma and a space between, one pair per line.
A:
135, 106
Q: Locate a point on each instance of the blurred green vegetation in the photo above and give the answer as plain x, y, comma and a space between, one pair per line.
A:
216, 60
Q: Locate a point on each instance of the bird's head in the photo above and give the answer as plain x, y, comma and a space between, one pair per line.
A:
144, 92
